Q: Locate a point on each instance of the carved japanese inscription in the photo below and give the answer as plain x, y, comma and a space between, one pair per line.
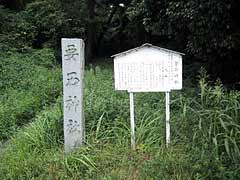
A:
73, 70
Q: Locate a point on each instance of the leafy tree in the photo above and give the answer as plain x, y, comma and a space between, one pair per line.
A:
205, 30
208, 31
42, 23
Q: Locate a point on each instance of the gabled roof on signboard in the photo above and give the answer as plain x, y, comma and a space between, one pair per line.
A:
146, 45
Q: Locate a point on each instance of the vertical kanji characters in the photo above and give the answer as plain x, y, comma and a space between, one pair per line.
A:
72, 79
72, 103
71, 52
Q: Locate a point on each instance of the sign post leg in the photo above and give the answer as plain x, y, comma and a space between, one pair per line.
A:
167, 118
132, 121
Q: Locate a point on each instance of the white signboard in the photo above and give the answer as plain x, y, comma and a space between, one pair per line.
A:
73, 69
148, 68
144, 73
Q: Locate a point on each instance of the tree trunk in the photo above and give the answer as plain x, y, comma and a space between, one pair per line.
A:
14, 4
106, 25
90, 31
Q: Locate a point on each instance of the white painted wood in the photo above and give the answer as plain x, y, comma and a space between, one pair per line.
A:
167, 101
133, 145
148, 69
73, 74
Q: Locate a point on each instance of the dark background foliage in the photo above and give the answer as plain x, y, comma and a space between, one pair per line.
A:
207, 31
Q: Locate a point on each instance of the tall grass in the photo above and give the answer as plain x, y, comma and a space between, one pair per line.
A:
204, 125
217, 132
28, 83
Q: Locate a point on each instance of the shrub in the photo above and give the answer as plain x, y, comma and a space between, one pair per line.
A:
28, 83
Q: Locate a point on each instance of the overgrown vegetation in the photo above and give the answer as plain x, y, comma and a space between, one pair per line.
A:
28, 83
205, 136
205, 117
207, 31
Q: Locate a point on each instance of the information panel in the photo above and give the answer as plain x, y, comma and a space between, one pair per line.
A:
163, 74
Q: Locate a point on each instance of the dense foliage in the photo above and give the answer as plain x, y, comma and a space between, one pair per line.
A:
207, 31
28, 83
205, 136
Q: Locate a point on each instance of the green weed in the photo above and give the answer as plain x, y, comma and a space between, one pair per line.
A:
204, 136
